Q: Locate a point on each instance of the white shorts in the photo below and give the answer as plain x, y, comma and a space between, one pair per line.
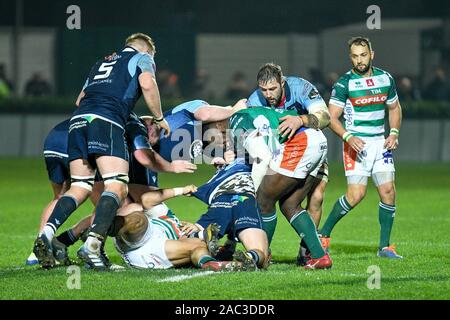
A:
302, 155
152, 254
373, 159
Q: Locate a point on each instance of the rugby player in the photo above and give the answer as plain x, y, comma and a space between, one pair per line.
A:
293, 93
152, 237
362, 95
97, 141
256, 131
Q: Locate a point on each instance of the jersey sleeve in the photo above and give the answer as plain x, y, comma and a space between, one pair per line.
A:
310, 96
392, 94
136, 134
190, 106
146, 63
255, 100
339, 94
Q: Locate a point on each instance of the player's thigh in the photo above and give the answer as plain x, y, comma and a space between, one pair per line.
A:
254, 239
272, 188
291, 203
179, 251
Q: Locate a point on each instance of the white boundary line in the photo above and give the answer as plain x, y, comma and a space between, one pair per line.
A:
187, 277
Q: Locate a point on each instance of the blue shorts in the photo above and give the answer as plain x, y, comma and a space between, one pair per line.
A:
141, 175
233, 213
57, 167
98, 137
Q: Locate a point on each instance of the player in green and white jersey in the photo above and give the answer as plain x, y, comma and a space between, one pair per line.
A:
291, 166
362, 95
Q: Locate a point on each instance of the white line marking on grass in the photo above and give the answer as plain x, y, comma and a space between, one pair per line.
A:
186, 277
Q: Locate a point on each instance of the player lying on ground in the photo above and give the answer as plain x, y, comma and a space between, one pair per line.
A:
293, 166
230, 195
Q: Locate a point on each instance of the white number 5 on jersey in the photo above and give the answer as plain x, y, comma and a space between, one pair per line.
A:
106, 67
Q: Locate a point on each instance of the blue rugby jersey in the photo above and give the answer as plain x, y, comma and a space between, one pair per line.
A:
112, 87
186, 130
234, 178
300, 94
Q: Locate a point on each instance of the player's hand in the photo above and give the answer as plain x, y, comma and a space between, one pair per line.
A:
356, 143
218, 162
289, 125
111, 56
164, 125
240, 105
391, 142
229, 156
189, 189
188, 228
183, 166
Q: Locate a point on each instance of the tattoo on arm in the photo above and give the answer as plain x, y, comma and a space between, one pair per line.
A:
312, 121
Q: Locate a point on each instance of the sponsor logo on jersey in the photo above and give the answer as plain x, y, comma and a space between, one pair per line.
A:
369, 100
313, 94
370, 82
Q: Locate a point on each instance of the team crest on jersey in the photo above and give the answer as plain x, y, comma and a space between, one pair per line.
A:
370, 82
196, 149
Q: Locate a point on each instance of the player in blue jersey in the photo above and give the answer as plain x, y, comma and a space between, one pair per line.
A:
97, 141
142, 159
230, 195
187, 122
292, 93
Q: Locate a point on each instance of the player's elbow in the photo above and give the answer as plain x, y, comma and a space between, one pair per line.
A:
147, 82
202, 114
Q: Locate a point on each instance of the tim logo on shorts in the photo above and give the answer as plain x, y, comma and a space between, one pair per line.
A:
388, 157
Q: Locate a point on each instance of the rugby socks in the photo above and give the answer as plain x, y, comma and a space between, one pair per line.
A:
306, 229
386, 214
340, 209
105, 212
255, 256
67, 238
63, 209
269, 223
204, 259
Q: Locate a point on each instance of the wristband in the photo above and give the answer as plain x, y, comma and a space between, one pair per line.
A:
394, 131
346, 136
178, 191
158, 120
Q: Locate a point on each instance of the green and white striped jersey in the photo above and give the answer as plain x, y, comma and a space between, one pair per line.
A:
364, 101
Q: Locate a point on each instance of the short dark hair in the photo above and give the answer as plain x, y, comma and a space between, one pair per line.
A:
360, 41
268, 72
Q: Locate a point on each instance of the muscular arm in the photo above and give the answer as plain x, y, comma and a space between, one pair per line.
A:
212, 113
153, 161
318, 118
150, 92
335, 124
80, 96
155, 197
395, 115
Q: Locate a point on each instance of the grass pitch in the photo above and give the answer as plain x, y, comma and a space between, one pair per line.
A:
421, 233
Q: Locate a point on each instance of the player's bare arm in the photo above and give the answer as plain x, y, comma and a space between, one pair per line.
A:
356, 143
212, 113
152, 98
80, 96
153, 161
395, 121
155, 197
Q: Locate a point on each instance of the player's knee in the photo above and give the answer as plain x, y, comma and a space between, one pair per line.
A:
265, 204
387, 193
117, 183
355, 196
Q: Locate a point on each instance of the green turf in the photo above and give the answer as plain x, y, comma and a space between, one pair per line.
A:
421, 232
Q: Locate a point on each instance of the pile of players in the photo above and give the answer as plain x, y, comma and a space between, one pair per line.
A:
268, 149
